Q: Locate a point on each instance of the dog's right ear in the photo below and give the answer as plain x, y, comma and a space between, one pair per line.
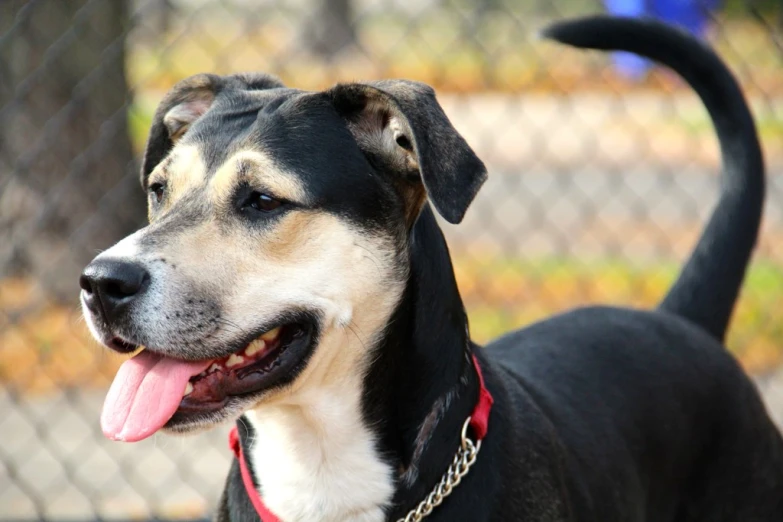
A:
185, 103
402, 121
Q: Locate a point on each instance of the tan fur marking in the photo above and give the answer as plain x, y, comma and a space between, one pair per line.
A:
182, 171
294, 231
261, 172
186, 172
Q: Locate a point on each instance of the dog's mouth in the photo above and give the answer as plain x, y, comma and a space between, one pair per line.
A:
152, 391
232, 375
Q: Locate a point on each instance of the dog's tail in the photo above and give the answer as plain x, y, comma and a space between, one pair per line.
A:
708, 286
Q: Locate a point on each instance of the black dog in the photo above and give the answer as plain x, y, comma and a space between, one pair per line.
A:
294, 273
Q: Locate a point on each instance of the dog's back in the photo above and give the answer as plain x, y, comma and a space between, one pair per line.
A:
654, 420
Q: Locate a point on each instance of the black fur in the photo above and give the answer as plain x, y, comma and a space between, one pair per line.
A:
450, 170
601, 414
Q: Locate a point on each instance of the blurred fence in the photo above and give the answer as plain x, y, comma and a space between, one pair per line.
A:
600, 179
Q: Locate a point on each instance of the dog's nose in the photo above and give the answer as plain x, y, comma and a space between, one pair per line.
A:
110, 285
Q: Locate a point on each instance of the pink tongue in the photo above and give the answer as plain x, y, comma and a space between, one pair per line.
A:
145, 394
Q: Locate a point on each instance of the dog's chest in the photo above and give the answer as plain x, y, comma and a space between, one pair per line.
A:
317, 461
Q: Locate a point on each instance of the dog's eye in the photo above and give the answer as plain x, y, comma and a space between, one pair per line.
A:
157, 190
263, 202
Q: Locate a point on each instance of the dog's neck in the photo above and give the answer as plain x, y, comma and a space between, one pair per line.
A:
423, 387
368, 446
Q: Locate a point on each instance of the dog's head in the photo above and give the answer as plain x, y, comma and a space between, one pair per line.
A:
278, 232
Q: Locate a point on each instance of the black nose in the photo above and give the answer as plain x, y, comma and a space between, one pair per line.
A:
111, 285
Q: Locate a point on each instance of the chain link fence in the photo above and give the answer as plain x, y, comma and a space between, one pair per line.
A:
602, 172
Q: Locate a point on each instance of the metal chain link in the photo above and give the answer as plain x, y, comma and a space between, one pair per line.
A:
463, 460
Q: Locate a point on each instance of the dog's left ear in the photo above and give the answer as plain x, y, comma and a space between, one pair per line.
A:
402, 121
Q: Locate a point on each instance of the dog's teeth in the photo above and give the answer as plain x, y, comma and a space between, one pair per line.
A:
234, 360
188, 390
255, 347
214, 368
271, 334
202, 374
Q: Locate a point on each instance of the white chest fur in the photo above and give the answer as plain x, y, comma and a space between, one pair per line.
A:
315, 459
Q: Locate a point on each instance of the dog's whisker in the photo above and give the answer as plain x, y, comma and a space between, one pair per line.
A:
371, 257
236, 328
227, 322
353, 328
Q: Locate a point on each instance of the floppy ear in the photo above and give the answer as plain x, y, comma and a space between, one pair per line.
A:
185, 103
402, 122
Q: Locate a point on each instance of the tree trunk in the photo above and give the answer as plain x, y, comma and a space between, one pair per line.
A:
67, 177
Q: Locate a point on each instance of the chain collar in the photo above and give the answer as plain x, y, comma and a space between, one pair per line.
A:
463, 460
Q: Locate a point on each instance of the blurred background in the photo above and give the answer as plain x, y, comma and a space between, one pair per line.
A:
602, 171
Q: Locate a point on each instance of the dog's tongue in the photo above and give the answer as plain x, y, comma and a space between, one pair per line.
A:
145, 394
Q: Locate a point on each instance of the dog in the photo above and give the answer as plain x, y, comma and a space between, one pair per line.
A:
293, 278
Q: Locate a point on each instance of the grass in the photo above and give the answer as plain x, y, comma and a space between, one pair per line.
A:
48, 348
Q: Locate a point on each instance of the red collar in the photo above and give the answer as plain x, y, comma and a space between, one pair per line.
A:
479, 421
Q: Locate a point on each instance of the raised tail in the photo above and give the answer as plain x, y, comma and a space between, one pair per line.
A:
708, 285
